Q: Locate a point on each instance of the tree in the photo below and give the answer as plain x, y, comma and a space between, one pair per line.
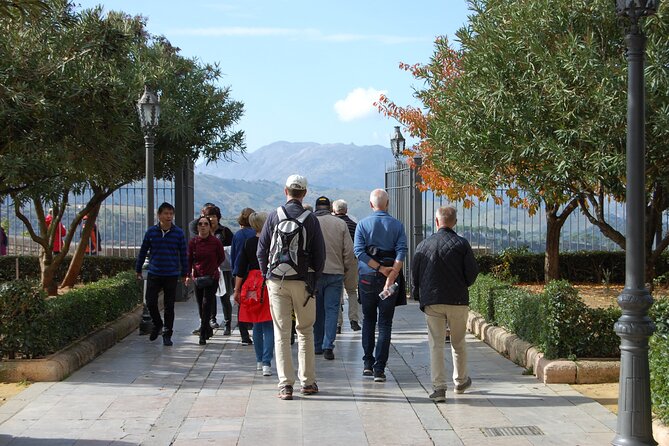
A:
70, 84
538, 103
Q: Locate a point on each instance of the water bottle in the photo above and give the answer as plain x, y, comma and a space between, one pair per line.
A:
389, 292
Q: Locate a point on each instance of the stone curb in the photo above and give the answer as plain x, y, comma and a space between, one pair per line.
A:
61, 364
558, 371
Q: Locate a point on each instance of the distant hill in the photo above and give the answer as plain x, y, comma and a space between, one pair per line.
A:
343, 166
234, 195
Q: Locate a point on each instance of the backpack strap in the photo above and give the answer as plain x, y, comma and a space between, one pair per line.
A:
281, 212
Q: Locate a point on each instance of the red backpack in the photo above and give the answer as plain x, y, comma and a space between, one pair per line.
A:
254, 304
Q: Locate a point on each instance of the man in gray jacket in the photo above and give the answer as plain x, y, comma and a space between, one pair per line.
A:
443, 269
340, 266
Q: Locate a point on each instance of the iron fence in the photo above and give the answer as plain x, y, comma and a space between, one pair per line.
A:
121, 221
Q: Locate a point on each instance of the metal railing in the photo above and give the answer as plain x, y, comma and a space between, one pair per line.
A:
121, 220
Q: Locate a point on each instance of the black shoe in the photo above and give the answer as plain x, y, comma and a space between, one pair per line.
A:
328, 354
318, 352
155, 331
355, 326
167, 340
367, 372
196, 332
213, 323
203, 341
227, 331
379, 377
338, 329
247, 341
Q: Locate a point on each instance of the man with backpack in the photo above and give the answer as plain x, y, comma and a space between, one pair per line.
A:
291, 254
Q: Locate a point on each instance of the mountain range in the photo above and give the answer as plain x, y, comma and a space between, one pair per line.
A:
342, 166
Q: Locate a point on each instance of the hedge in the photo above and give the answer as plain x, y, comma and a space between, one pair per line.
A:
562, 326
32, 325
577, 267
93, 268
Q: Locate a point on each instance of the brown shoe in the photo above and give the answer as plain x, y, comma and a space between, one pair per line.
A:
310, 389
286, 393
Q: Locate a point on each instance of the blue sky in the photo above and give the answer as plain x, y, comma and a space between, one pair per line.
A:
305, 70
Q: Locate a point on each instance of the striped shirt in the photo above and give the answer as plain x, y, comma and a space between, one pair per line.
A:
166, 251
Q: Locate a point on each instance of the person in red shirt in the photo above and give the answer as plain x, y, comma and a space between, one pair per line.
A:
205, 253
60, 232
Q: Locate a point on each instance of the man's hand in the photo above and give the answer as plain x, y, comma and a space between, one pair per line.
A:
140, 276
237, 296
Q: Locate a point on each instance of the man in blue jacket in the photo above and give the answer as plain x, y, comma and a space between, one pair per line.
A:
380, 245
165, 244
443, 269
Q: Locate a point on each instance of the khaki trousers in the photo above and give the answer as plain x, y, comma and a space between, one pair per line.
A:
284, 298
438, 318
353, 306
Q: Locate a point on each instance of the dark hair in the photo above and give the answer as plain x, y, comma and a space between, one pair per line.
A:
212, 210
201, 217
243, 218
165, 206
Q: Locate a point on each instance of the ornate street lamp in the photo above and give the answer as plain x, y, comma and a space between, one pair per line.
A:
634, 326
148, 108
397, 143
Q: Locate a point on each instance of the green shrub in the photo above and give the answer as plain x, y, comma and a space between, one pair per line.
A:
481, 296
22, 306
56, 322
659, 359
93, 268
563, 309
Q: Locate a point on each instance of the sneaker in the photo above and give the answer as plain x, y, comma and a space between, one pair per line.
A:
367, 372
460, 388
355, 326
213, 323
379, 377
338, 329
167, 340
247, 342
258, 365
203, 341
438, 396
155, 331
310, 389
227, 331
447, 339
196, 332
328, 354
266, 370
286, 393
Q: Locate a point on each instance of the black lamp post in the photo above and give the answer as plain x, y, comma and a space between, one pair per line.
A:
397, 143
148, 108
634, 326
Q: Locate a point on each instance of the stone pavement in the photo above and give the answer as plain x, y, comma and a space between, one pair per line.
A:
140, 392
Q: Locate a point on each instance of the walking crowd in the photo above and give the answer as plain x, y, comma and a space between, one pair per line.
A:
288, 272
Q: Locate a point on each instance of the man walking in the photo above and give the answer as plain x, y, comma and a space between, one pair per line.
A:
340, 210
339, 262
165, 244
291, 254
381, 247
443, 269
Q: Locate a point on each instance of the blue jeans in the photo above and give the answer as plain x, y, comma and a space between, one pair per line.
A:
369, 287
263, 341
328, 296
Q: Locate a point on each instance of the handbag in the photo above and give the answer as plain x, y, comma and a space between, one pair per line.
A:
204, 282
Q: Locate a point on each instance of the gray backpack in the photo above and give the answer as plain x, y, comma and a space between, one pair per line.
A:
288, 249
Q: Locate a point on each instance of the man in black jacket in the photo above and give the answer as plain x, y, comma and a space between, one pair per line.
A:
443, 269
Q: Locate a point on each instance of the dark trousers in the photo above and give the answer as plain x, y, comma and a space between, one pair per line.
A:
206, 297
225, 300
375, 309
168, 285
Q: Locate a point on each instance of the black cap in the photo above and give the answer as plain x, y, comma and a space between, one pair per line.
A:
323, 203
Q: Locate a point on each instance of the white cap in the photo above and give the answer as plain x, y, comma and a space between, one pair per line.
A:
296, 182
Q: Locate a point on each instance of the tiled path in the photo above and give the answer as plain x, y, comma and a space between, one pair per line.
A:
140, 392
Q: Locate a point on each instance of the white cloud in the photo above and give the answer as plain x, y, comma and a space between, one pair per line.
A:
359, 103
301, 33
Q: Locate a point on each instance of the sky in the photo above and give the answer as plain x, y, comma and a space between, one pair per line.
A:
306, 71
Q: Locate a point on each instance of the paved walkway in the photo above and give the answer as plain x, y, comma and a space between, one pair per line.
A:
140, 392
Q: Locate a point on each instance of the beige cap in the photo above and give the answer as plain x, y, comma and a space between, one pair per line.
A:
296, 182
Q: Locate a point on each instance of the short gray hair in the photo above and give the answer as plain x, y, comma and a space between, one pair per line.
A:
379, 199
447, 215
340, 206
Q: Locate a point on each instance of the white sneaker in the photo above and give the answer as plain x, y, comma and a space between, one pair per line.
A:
266, 370
258, 365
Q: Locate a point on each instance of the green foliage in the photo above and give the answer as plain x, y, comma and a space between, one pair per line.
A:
46, 326
22, 306
94, 267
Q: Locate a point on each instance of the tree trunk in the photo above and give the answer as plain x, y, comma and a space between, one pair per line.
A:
47, 272
78, 258
554, 223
